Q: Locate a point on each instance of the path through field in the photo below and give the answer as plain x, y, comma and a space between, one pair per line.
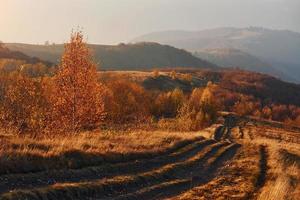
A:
237, 162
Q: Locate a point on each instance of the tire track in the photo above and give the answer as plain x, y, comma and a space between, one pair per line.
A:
31, 180
284, 176
175, 187
261, 178
123, 184
83, 159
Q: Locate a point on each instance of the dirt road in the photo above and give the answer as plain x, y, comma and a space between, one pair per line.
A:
241, 160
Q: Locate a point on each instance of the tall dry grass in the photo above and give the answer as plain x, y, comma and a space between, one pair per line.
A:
283, 172
28, 154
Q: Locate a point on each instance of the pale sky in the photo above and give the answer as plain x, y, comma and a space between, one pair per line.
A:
115, 21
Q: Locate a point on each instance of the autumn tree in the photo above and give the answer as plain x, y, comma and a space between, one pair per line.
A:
188, 78
173, 74
78, 100
23, 106
266, 112
200, 110
155, 73
246, 105
168, 104
128, 102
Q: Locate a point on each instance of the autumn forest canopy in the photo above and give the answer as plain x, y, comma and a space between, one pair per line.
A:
39, 98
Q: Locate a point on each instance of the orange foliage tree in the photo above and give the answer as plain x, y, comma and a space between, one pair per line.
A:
155, 73
128, 102
78, 100
200, 110
167, 104
24, 106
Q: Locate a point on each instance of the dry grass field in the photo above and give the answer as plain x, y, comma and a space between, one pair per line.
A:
240, 159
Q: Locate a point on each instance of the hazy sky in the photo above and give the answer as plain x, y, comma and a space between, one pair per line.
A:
114, 21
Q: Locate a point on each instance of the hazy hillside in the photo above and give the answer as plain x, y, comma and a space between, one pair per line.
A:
123, 56
5, 53
232, 58
272, 46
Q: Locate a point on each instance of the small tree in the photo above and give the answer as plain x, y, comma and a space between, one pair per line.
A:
78, 95
155, 73
129, 102
188, 78
173, 75
168, 104
199, 112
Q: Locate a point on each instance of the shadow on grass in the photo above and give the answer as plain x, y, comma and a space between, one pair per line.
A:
14, 162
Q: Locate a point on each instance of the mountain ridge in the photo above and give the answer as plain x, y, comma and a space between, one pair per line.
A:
234, 58
270, 45
123, 56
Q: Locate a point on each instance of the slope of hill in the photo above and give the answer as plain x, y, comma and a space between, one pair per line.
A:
5, 53
262, 86
234, 58
123, 56
273, 46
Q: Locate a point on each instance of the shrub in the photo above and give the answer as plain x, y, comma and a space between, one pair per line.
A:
168, 104
24, 105
199, 112
128, 102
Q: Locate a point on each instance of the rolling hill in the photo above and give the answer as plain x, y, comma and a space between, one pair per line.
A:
279, 48
123, 56
234, 58
5, 53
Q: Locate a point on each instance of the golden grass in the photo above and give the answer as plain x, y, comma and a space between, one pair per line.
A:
283, 176
283, 180
27, 154
239, 178
104, 187
235, 182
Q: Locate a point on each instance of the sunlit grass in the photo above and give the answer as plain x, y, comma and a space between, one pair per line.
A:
25, 153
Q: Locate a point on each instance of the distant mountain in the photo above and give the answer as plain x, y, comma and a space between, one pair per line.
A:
123, 56
6, 53
279, 48
234, 58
